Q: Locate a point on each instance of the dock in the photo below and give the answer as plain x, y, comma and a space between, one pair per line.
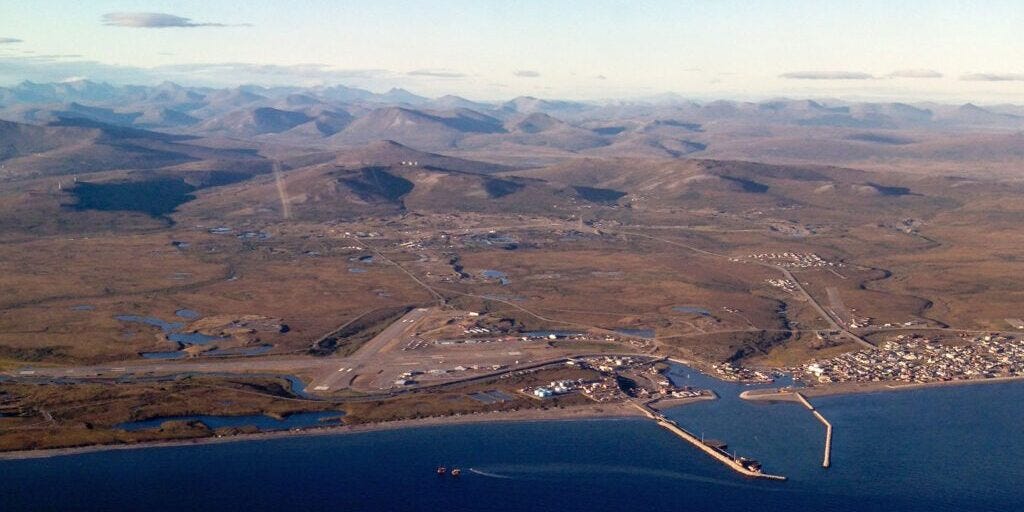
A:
718, 454
827, 461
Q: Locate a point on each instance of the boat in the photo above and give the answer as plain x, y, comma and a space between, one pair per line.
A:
456, 471
441, 470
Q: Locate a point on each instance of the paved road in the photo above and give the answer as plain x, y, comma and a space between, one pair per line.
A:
789, 275
821, 311
350, 367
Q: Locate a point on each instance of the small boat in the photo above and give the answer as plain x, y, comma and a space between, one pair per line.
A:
456, 472
441, 470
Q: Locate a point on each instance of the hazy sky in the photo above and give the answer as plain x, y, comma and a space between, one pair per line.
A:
929, 49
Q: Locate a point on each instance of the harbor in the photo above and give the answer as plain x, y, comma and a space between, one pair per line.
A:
583, 465
789, 395
741, 465
827, 460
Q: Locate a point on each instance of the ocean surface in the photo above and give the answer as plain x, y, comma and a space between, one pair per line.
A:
939, 449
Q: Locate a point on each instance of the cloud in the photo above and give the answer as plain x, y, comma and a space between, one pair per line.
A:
993, 77
48, 57
436, 73
601, 77
9, 40
827, 75
154, 20
915, 73
55, 67
48, 69
526, 73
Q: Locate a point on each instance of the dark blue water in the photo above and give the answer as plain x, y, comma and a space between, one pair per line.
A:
220, 352
267, 423
171, 330
496, 274
240, 351
639, 333
178, 354
166, 327
192, 338
188, 314
697, 310
948, 449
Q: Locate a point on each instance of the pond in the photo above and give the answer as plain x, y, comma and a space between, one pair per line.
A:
240, 351
262, 422
696, 310
178, 354
166, 327
192, 338
496, 274
173, 332
636, 332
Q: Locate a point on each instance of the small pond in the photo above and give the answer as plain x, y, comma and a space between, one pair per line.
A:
266, 423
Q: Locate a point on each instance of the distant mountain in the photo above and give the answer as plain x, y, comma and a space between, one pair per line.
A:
159, 117
529, 105
254, 121
397, 95
60, 92
975, 115
368, 182
536, 122
80, 146
530, 131
449, 102
323, 124
433, 129
388, 153
736, 186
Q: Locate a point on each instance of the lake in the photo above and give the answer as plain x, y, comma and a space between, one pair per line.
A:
265, 423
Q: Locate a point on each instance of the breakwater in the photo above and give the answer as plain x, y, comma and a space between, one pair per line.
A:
827, 460
743, 466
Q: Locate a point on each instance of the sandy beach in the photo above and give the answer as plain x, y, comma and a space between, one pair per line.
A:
846, 388
595, 411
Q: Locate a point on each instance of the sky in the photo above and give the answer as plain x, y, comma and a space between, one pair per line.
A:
934, 50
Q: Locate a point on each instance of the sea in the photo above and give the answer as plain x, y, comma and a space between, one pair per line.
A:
958, 448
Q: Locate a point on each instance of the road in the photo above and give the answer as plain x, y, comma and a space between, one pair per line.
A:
351, 367
821, 311
833, 325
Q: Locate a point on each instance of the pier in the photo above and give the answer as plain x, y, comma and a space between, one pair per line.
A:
715, 452
827, 461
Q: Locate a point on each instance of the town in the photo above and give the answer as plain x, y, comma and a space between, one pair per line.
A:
922, 360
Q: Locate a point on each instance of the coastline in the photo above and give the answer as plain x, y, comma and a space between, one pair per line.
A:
850, 388
596, 411
668, 403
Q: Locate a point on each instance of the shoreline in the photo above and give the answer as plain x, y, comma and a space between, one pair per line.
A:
854, 388
597, 411
662, 404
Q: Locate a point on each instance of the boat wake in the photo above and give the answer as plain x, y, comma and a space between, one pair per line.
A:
541, 470
490, 475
